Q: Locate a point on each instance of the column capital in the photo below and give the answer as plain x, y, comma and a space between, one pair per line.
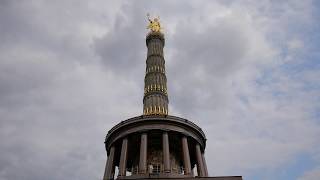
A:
165, 130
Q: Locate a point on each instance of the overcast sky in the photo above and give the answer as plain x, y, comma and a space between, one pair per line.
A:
245, 71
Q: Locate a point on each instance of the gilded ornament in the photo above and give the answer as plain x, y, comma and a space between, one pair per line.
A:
154, 25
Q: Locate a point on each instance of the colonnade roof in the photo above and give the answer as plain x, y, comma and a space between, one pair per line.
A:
150, 122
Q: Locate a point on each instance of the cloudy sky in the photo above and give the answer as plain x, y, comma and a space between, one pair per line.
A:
246, 71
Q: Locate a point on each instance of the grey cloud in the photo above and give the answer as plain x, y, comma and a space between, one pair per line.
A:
211, 58
65, 80
44, 109
124, 47
118, 49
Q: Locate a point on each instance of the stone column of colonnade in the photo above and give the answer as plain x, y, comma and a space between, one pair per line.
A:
109, 171
166, 152
143, 154
186, 156
123, 157
205, 165
200, 167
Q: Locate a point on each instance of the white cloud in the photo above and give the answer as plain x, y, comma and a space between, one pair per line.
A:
295, 44
70, 71
314, 174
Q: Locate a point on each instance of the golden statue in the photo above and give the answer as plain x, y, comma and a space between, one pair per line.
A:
154, 25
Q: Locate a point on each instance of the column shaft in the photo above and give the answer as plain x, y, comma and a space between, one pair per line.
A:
205, 165
109, 171
123, 157
200, 166
155, 100
143, 153
186, 156
166, 152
